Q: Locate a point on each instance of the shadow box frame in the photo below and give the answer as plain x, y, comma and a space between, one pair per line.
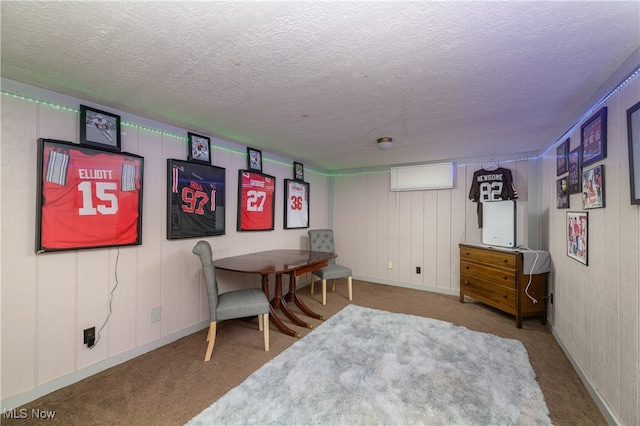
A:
562, 158
87, 197
593, 138
578, 236
92, 135
593, 188
191, 187
199, 149
575, 170
633, 131
562, 193
296, 204
256, 201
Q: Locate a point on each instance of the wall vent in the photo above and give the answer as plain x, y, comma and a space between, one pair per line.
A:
422, 177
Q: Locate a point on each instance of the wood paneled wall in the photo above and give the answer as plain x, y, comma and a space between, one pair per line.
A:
415, 228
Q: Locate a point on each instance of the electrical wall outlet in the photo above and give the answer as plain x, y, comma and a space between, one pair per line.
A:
389, 265
418, 270
90, 336
155, 314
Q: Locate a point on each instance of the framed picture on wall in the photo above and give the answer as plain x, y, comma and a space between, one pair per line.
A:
298, 171
562, 193
593, 138
195, 200
256, 195
593, 188
296, 204
199, 149
633, 131
562, 158
574, 171
87, 197
254, 160
99, 128
577, 236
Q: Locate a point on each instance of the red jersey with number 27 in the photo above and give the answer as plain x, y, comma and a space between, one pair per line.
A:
257, 193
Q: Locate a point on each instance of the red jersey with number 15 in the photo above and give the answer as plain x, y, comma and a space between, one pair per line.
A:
89, 199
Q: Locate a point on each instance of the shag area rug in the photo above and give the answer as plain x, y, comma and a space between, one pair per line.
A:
365, 366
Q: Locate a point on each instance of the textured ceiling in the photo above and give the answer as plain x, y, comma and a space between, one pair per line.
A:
319, 82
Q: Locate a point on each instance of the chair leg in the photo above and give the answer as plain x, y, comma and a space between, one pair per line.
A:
350, 284
211, 338
313, 282
265, 320
333, 285
324, 292
260, 322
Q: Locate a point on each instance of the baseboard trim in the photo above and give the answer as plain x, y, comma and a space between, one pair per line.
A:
595, 395
54, 385
408, 285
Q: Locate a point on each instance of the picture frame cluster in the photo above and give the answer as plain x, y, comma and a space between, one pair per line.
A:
575, 178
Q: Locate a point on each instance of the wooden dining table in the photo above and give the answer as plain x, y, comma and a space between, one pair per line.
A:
280, 262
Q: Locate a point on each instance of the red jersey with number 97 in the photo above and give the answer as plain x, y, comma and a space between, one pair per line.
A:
89, 198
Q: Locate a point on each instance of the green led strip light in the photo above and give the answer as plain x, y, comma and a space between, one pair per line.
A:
148, 129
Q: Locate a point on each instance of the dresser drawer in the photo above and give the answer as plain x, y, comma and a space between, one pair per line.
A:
504, 277
483, 255
500, 297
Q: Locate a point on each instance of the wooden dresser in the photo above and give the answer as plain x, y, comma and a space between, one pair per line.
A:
495, 277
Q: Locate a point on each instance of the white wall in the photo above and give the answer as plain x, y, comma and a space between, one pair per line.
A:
49, 299
596, 310
416, 228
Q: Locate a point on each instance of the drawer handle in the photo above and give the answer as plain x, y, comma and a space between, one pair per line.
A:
504, 277
505, 295
505, 260
466, 267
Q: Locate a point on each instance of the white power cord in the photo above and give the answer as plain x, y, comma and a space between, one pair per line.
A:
533, 267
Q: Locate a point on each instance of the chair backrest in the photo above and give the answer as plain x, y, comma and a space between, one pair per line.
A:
322, 240
203, 249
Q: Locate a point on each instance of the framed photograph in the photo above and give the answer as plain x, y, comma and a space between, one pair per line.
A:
298, 171
593, 188
195, 200
577, 236
296, 204
633, 130
562, 158
254, 158
99, 128
87, 197
574, 171
199, 149
593, 138
562, 193
256, 195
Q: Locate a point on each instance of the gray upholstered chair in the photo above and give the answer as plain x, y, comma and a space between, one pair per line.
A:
322, 240
232, 304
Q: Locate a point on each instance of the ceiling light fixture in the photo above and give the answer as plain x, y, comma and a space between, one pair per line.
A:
385, 143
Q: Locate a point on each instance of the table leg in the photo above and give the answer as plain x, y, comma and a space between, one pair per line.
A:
292, 296
275, 304
285, 308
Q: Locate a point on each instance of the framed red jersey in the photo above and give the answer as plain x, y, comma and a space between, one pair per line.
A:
256, 195
296, 204
87, 197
